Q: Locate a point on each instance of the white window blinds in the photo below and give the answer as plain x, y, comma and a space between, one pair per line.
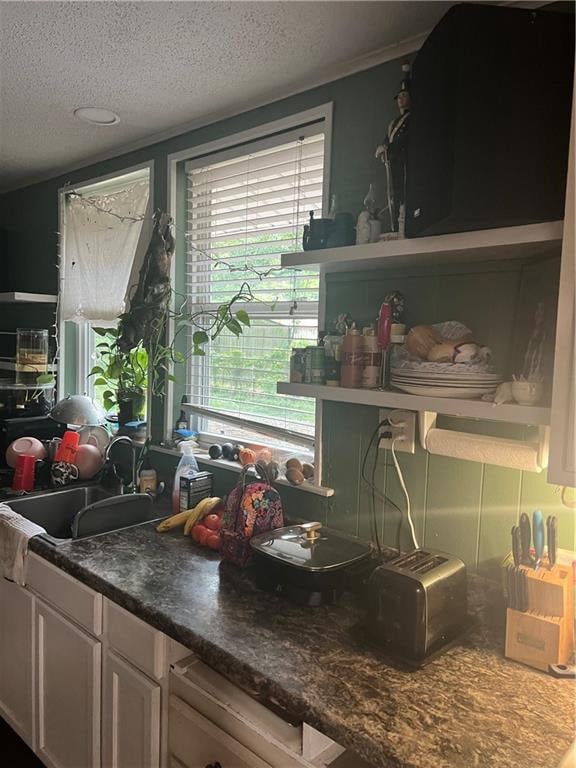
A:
245, 208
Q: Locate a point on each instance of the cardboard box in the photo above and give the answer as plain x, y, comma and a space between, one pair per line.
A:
194, 489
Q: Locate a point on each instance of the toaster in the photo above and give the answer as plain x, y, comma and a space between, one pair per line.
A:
415, 604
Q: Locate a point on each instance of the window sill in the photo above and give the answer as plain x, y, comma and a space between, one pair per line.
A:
233, 466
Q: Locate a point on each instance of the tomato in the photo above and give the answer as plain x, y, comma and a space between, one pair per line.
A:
213, 541
212, 521
199, 533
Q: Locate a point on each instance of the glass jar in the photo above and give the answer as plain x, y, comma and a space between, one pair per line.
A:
31, 354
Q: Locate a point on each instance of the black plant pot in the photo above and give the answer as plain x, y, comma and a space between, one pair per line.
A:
130, 409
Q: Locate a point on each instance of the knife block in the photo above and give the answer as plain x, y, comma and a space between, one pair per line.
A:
544, 634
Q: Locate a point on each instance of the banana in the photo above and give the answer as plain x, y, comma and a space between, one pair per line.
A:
173, 522
200, 510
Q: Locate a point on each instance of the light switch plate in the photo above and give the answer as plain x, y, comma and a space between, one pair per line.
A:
403, 428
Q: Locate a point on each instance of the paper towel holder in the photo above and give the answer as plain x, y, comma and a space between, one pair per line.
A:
537, 451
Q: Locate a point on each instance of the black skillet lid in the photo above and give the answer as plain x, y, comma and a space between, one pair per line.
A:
311, 547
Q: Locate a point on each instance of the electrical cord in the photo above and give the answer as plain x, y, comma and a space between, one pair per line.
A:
403, 484
376, 491
372, 485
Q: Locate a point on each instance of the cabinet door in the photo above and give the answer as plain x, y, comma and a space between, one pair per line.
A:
17, 659
562, 467
130, 716
68, 685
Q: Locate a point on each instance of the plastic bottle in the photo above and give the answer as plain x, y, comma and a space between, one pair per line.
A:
186, 466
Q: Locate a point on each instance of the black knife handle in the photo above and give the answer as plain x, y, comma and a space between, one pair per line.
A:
511, 586
551, 537
524, 589
525, 537
516, 545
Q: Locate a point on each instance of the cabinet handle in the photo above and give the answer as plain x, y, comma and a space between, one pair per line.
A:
214, 765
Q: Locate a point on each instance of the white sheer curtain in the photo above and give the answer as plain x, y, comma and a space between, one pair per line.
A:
102, 234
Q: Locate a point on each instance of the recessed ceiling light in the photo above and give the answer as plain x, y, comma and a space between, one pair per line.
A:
97, 116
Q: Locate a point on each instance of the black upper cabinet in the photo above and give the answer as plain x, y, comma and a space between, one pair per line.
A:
490, 120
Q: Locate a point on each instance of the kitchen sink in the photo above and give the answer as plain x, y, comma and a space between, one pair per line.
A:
80, 512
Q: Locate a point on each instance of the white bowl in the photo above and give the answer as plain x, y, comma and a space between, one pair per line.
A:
527, 392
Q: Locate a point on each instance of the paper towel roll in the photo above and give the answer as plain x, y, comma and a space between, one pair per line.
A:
514, 454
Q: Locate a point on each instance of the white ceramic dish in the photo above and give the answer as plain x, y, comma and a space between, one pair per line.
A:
441, 376
462, 393
97, 436
527, 392
433, 383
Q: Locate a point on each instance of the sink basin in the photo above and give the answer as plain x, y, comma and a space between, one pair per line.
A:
79, 512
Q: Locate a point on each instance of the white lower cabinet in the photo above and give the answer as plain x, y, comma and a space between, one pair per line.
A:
17, 659
131, 716
68, 671
87, 684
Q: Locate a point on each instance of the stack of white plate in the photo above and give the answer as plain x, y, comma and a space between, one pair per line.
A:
458, 382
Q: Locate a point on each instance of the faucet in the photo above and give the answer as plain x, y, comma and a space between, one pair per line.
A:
124, 439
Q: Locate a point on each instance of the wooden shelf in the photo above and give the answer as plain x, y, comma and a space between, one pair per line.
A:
30, 298
233, 466
477, 409
463, 247
10, 365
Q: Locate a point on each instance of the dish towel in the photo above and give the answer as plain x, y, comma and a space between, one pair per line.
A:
15, 532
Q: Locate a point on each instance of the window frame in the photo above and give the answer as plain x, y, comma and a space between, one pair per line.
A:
80, 356
176, 162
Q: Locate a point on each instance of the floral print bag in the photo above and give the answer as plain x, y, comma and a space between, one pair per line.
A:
253, 507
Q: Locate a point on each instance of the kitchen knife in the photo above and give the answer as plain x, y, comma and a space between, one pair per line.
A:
511, 586
538, 533
523, 589
526, 537
551, 530
516, 545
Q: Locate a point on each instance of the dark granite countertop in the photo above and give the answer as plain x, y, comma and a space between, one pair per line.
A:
469, 707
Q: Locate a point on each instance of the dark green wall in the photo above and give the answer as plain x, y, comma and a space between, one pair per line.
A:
464, 507
363, 106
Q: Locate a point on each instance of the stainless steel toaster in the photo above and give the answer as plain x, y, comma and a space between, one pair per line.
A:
416, 604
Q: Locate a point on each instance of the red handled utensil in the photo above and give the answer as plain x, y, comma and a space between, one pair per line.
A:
384, 328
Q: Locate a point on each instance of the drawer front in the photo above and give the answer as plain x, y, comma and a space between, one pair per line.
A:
70, 596
193, 675
257, 738
195, 742
139, 643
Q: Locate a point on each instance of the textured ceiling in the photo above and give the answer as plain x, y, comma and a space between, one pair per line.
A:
160, 65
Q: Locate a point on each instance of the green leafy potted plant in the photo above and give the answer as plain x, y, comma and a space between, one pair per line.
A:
123, 376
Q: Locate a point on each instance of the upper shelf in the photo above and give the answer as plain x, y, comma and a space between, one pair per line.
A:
31, 298
449, 406
481, 245
10, 365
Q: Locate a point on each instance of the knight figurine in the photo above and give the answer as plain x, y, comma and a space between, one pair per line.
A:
392, 151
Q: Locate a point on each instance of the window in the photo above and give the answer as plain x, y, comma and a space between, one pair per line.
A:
106, 227
245, 207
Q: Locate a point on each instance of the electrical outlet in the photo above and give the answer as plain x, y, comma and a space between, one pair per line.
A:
403, 429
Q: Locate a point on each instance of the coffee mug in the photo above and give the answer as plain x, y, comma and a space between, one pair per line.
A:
63, 473
316, 233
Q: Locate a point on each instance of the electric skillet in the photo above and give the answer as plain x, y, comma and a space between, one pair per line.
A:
310, 564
